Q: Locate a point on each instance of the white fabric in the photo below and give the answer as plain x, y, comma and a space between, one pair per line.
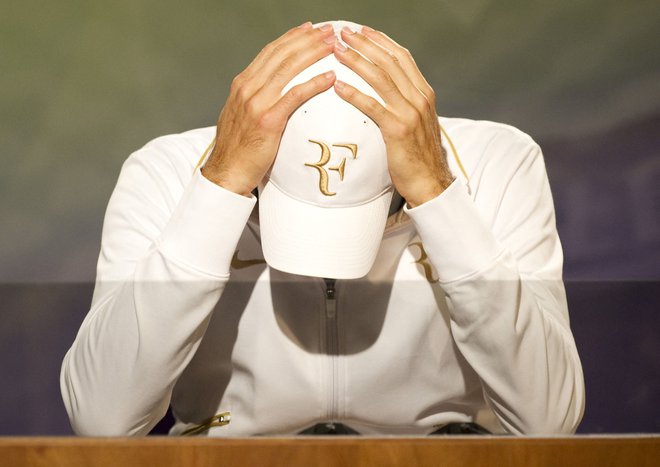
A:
476, 320
321, 242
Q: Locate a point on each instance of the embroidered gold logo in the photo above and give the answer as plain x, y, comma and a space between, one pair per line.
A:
325, 158
423, 261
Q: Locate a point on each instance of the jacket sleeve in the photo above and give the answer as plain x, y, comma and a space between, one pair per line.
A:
165, 255
499, 261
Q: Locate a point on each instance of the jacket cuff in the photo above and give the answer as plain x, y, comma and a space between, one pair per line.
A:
455, 237
206, 226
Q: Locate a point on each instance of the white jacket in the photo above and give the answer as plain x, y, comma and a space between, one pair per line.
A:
463, 310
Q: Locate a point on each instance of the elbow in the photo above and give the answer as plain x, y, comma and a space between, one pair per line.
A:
567, 416
558, 399
566, 409
558, 423
545, 413
92, 421
97, 423
557, 416
90, 424
95, 416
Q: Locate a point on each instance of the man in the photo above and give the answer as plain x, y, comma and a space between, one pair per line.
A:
450, 306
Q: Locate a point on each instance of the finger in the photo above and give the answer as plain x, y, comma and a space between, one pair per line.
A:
279, 58
405, 59
386, 60
298, 59
276, 117
378, 78
366, 104
268, 48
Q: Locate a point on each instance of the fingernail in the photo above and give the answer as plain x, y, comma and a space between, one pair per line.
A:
326, 27
329, 74
305, 25
339, 85
339, 47
330, 39
367, 29
347, 30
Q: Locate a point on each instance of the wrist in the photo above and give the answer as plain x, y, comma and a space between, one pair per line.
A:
426, 191
227, 181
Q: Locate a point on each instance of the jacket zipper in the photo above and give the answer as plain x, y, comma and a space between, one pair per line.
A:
332, 344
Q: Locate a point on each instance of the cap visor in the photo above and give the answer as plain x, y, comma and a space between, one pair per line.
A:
310, 240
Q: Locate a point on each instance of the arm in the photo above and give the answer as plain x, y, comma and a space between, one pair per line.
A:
166, 248
499, 258
499, 261
160, 273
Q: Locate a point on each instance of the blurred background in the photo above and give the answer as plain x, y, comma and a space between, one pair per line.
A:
85, 83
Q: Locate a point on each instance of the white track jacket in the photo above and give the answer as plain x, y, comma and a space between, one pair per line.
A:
463, 311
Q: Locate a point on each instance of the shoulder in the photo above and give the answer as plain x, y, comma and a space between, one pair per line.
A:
483, 132
181, 151
160, 170
483, 142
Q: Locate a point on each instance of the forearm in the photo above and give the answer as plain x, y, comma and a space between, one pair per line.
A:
508, 313
118, 376
159, 278
509, 331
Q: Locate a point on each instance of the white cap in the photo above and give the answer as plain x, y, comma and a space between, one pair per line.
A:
324, 204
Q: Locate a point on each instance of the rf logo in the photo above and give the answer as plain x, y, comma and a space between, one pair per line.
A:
325, 158
423, 261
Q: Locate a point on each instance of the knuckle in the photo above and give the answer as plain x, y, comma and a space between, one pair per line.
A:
420, 101
319, 80
374, 107
269, 121
242, 93
237, 82
388, 83
348, 91
296, 94
398, 129
278, 49
322, 46
253, 108
378, 75
405, 124
383, 76
285, 66
412, 119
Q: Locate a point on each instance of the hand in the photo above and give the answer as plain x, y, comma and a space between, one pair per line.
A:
252, 121
417, 162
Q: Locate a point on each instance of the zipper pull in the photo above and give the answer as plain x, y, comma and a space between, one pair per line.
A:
330, 302
330, 288
220, 419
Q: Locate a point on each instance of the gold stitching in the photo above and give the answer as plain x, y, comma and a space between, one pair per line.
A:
424, 263
323, 175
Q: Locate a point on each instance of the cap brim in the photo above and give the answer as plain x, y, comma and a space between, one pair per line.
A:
310, 240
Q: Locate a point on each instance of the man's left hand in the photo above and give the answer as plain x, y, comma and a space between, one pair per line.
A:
408, 122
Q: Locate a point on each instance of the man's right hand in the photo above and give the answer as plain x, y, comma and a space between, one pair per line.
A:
253, 119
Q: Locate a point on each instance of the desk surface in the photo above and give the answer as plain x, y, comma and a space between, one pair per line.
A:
638, 451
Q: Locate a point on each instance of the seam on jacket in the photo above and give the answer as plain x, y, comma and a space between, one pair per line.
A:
476, 272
